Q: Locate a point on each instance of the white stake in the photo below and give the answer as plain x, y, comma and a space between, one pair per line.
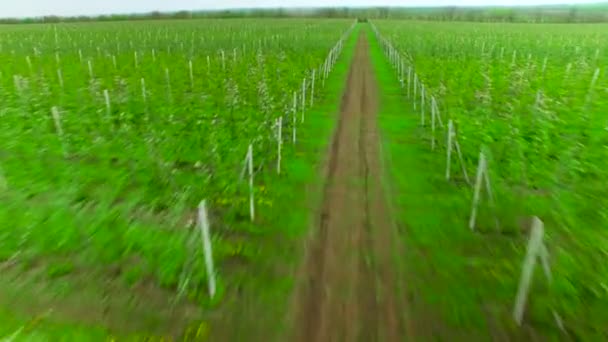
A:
135, 59
596, 74
60, 78
536, 249
437, 113
143, 91
422, 117
538, 99
303, 98
80, 55
325, 70
482, 175
409, 80
153, 55
250, 169
294, 112
191, 74
449, 149
168, 80
312, 88
114, 63
402, 77
203, 223
57, 120
432, 124
279, 142
106, 95
415, 88
90, 68
29, 63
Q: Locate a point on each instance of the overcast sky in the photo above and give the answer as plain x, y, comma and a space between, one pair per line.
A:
25, 8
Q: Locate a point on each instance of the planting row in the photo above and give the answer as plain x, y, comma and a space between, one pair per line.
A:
532, 101
115, 132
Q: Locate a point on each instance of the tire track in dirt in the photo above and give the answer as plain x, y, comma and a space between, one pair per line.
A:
347, 290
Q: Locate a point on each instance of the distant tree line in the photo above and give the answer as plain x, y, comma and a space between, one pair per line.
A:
548, 14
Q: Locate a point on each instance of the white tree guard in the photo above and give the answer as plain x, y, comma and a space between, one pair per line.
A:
415, 89
402, 77
251, 189
294, 114
203, 223
106, 96
191, 74
58, 127
90, 65
536, 249
452, 143
409, 80
279, 142
303, 99
168, 80
312, 88
29, 64
422, 116
432, 125
57, 121
143, 91
481, 179
60, 78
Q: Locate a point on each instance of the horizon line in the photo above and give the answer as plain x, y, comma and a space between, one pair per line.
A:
309, 8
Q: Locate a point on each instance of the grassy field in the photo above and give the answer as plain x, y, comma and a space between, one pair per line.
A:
532, 97
99, 198
114, 132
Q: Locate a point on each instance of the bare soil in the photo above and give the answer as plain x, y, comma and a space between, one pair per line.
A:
348, 289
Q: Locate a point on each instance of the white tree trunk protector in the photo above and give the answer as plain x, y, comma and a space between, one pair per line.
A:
203, 224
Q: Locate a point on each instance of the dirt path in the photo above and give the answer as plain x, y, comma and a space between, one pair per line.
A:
348, 291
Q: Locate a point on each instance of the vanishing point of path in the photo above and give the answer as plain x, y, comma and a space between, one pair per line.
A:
348, 290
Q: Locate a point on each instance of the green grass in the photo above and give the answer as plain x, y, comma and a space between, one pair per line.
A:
526, 96
259, 311
465, 282
100, 219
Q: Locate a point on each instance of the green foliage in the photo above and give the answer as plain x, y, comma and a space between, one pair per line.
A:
531, 95
116, 189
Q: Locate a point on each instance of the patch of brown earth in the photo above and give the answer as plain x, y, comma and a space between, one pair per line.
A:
347, 290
